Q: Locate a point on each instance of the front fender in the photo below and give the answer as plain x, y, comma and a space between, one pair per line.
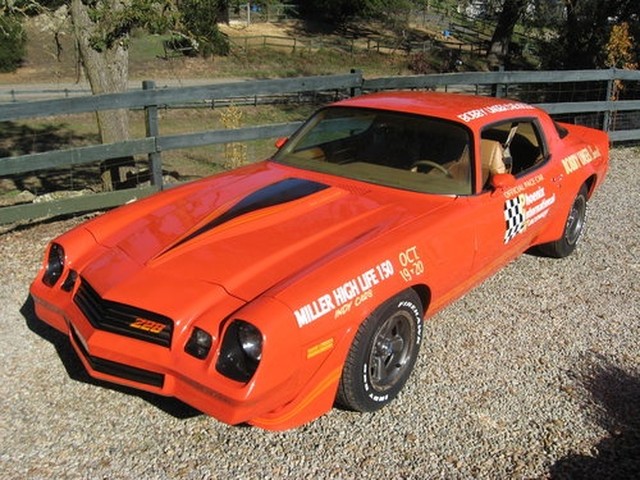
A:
317, 396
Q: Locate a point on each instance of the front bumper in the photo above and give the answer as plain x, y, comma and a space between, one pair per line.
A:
163, 370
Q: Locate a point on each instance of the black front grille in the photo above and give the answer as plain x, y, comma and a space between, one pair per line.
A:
123, 319
121, 370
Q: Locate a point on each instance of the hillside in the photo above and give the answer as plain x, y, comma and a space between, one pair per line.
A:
292, 48
44, 63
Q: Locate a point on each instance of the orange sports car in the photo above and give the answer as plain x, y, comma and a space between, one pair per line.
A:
267, 294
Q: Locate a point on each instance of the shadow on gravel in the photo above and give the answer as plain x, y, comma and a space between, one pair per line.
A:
77, 372
615, 399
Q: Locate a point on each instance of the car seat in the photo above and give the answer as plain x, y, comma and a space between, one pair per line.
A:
491, 159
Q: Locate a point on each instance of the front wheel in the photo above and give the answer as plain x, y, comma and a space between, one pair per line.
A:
383, 354
572, 230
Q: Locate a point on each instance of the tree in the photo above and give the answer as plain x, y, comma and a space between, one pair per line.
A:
584, 36
620, 54
339, 11
102, 29
105, 60
12, 43
200, 18
510, 14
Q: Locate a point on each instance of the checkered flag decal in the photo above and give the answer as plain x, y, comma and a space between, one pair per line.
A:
514, 217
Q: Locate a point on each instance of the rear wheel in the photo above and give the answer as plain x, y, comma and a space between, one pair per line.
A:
573, 228
383, 354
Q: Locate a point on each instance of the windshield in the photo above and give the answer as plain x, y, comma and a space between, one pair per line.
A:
398, 150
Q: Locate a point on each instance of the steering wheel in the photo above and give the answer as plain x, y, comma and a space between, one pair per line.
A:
429, 163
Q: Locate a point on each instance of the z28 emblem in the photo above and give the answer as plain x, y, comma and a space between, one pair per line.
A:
147, 325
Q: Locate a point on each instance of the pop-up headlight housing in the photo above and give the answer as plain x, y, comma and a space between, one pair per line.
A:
241, 351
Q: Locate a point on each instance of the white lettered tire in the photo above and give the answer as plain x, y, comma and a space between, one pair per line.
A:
383, 354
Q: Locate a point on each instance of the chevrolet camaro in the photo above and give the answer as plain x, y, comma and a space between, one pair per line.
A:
270, 293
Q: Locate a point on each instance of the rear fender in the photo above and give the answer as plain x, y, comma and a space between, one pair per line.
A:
556, 227
586, 164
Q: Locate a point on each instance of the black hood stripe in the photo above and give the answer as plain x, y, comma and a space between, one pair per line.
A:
277, 193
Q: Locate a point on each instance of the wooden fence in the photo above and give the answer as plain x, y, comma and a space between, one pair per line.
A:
457, 31
152, 146
378, 44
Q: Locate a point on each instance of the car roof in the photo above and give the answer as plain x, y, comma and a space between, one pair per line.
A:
469, 109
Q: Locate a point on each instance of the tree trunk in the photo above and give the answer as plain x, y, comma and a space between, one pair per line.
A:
223, 11
107, 72
572, 31
511, 12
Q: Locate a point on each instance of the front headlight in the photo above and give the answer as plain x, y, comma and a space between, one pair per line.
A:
240, 352
54, 266
250, 340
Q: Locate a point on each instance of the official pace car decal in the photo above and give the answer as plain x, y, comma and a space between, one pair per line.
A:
525, 209
357, 290
522, 209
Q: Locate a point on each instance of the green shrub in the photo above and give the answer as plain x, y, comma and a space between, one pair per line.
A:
200, 18
13, 39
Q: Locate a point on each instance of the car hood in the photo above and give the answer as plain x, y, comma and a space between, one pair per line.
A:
242, 232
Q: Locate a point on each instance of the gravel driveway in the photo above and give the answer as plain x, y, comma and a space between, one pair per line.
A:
535, 373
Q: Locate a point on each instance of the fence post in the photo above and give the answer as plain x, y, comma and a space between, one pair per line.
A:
152, 130
498, 89
356, 91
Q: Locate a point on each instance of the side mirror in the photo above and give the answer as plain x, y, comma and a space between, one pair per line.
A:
502, 181
280, 142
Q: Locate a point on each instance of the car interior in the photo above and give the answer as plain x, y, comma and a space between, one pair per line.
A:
520, 148
391, 148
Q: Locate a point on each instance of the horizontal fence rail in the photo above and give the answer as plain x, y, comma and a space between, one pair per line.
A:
499, 78
150, 99
176, 95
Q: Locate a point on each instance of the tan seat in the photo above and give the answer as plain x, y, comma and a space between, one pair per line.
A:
460, 169
491, 159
